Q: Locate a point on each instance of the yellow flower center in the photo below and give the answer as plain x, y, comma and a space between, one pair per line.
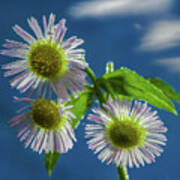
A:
125, 134
47, 60
45, 114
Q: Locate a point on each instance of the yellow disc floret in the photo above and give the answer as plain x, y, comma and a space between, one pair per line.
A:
47, 60
125, 134
45, 114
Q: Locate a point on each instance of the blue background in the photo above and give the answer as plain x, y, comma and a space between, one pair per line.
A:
113, 38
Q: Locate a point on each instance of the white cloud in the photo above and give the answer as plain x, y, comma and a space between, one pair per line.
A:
161, 35
172, 64
101, 8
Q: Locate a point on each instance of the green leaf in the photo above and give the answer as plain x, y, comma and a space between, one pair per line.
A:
81, 105
51, 159
129, 84
167, 89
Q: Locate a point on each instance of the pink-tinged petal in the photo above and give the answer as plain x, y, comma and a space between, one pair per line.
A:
104, 154
67, 107
153, 124
76, 51
154, 146
70, 115
22, 109
78, 42
136, 108
130, 160
102, 114
63, 142
60, 30
142, 111
15, 81
61, 35
57, 142
69, 86
69, 142
117, 156
33, 23
96, 119
157, 130
72, 43
134, 158
156, 141
74, 81
148, 157
97, 146
80, 74
93, 127
157, 136
125, 158
51, 23
19, 53
20, 120
70, 131
139, 156
47, 149
25, 135
40, 141
91, 134
80, 64
25, 80
36, 84
15, 44
45, 26
36, 140
30, 137
75, 56
25, 99
113, 110
51, 141
28, 85
14, 71
60, 90
14, 65
62, 146
16, 118
23, 129
44, 143
67, 44
120, 158
23, 34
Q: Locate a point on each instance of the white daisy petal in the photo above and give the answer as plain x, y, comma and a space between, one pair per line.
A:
23, 34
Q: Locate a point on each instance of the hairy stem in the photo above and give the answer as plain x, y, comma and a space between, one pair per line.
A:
97, 89
122, 173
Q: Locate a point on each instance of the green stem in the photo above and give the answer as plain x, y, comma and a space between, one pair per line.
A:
122, 173
96, 87
109, 67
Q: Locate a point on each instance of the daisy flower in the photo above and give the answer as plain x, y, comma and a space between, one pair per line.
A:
124, 134
46, 59
46, 127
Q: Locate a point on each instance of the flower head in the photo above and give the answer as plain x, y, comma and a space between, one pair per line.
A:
124, 134
46, 127
46, 59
